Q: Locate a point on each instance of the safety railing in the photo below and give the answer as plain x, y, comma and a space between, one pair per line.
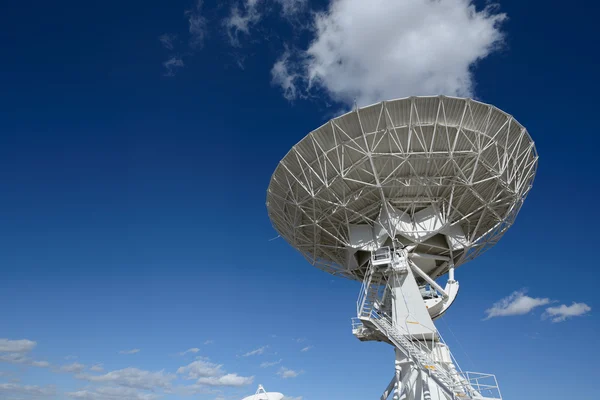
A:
421, 348
482, 385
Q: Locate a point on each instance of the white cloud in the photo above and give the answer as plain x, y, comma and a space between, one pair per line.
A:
208, 342
307, 348
16, 346
247, 13
518, 303
267, 364
197, 25
97, 368
256, 352
241, 19
562, 312
288, 373
290, 8
31, 391
41, 364
132, 378
14, 352
19, 358
281, 76
200, 369
210, 374
385, 49
111, 393
167, 40
192, 350
14, 358
73, 368
226, 380
132, 351
172, 65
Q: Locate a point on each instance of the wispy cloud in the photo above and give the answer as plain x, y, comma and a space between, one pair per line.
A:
41, 364
97, 368
267, 364
246, 14
167, 40
188, 351
290, 8
17, 358
172, 65
132, 351
286, 79
287, 373
72, 368
518, 303
534, 335
562, 312
197, 25
132, 378
206, 342
241, 18
255, 352
25, 391
307, 348
112, 393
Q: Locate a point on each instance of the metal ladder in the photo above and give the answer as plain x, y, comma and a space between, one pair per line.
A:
436, 372
370, 292
455, 383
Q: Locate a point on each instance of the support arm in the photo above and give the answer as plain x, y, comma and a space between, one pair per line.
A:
389, 389
423, 275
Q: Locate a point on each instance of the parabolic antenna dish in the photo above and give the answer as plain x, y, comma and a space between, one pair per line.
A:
262, 394
265, 396
442, 176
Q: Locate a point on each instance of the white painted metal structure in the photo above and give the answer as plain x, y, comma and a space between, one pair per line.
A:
262, 394
396, 195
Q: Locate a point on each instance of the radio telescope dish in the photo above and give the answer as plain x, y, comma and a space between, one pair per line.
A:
445, 176
395, 195
262, 394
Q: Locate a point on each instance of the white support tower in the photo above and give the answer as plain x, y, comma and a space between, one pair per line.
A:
396, 195
390, 308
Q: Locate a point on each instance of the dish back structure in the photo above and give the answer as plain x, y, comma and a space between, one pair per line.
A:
442, 176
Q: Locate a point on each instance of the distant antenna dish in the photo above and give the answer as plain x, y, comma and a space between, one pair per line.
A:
262, 394
395, 195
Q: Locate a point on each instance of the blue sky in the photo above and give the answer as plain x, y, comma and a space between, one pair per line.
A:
137, 140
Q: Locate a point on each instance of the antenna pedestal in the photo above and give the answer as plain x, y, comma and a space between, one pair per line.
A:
391, 309
440, 179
